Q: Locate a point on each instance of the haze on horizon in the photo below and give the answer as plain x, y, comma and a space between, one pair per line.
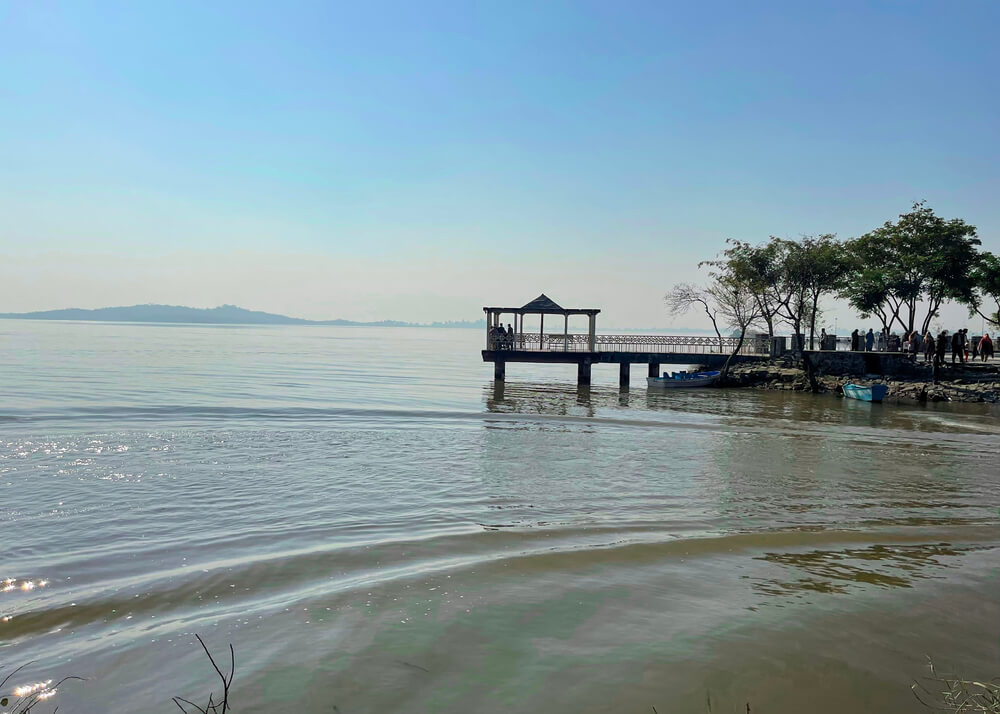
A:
417, 161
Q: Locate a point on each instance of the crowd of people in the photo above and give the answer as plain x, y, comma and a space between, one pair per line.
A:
934, 348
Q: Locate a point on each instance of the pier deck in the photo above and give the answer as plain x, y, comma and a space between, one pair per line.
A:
623, 350
586, 349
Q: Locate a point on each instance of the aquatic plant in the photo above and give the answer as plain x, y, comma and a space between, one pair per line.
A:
952, 693
26, 697
212, 706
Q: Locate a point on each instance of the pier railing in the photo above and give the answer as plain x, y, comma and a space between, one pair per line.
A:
685, 344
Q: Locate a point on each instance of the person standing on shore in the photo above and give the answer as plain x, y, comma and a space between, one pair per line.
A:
942, 347
986, 347
869, 340
855, 340
928, 347
956, 347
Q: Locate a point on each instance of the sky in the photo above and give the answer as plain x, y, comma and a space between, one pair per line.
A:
417, 161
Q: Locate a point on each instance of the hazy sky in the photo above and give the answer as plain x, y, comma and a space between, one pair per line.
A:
418, 160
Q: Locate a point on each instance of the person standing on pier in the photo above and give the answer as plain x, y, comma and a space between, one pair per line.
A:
510, 336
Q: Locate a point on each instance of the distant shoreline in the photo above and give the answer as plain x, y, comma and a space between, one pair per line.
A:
223, 315
233, 315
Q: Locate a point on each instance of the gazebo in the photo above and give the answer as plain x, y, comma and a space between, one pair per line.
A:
541, 306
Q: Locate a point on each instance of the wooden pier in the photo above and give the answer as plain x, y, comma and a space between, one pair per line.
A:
590, 348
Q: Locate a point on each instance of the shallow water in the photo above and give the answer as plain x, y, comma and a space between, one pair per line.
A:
374, 525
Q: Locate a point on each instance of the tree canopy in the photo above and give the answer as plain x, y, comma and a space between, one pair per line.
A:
920, 258
986, 288
917, 262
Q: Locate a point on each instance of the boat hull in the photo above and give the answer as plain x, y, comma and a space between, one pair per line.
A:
701, 379
874, 393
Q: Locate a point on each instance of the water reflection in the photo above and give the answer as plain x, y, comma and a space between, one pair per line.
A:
840, 571
546, 399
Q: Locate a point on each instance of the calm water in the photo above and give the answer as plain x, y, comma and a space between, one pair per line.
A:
377, 528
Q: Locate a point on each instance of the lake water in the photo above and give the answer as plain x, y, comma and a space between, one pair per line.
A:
376, 527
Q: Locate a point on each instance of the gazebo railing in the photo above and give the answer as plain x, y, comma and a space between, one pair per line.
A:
685, 344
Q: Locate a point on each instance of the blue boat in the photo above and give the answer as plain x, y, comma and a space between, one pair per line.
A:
683, 379
874, 393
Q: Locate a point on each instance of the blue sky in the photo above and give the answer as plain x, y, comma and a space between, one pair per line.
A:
418, 160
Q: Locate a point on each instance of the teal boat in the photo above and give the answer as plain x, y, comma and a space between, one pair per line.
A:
874, 393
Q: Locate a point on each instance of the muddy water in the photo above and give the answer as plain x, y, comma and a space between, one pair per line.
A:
374, 525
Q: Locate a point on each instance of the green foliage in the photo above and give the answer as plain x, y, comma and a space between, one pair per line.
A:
919, 258
786, 278
985, 279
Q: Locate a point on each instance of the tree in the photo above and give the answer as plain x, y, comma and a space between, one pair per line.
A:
985, 280
728, 298
758, 270
790, 288
737, 306
867, 290
685, 296
826, 265
919, 258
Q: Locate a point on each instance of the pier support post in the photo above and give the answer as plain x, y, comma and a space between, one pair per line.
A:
624, 371
583, 373
499, 370
654, 369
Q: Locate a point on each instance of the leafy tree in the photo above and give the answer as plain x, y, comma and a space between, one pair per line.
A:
985, 279
791, 290
787, 278
867, 290
826, 266
758, 270
728, 299
737, 306
919, 258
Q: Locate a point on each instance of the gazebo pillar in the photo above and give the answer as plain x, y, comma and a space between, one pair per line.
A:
566, 333
593, 331
583, 371
624, 371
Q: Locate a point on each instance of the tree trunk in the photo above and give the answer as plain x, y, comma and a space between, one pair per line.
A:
935, 303
715, 326
739, 346
812, 322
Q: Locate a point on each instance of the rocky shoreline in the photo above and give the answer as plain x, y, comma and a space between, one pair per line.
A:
974, 383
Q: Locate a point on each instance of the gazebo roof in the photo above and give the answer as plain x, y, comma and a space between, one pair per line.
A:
542, 305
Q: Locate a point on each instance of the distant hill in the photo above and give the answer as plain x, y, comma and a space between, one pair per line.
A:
223, 315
